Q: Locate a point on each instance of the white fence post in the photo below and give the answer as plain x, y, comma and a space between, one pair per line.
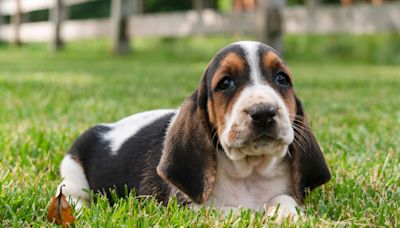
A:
199, 6
272, 32
57, 17
1, 17
16, 20
139, 7
120, 12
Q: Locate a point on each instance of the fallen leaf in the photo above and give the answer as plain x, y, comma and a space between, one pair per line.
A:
60, 212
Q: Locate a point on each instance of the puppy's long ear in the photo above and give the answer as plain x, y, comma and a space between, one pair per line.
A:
308, 163
189, 158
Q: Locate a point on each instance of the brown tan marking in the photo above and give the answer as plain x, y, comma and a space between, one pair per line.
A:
272, 61
233, 65
290, 103
230, 63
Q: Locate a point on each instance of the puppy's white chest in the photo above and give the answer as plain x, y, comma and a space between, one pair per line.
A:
254, 190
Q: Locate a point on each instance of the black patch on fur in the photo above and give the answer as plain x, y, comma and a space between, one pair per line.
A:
136, 158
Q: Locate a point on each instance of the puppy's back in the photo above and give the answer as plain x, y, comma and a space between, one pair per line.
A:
95, 162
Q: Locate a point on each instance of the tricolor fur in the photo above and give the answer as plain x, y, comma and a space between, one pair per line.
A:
240, 140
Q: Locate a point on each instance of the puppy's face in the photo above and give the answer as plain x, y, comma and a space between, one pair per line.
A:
245, 101
251, 101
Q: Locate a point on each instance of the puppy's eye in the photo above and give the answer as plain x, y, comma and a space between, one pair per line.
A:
226, 83
281, 79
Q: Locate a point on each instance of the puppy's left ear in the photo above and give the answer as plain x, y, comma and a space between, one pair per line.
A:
189, 157
309, 169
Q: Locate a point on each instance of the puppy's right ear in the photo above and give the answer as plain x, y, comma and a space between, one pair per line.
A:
189, 157
309, 168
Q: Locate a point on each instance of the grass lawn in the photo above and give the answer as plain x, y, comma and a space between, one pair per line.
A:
48, 99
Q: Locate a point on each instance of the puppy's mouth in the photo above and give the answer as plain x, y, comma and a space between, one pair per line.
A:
258, 140
263, 138
261, 145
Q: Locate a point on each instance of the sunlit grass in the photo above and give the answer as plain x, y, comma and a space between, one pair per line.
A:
48, 99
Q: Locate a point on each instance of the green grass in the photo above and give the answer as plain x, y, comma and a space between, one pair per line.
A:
342, 48
48, 99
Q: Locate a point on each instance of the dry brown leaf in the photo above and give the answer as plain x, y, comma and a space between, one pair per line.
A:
60, 212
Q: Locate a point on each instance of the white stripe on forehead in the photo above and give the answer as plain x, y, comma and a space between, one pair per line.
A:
251, 48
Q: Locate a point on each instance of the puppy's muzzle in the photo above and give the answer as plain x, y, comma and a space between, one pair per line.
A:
263, 115
263, 120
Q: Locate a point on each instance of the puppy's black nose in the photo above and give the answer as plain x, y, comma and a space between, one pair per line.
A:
263, 114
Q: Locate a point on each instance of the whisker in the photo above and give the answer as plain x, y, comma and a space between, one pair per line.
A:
301, 144
300, 140
301, 128
298, 143
215, 134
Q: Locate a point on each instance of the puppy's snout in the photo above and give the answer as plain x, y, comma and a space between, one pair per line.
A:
263, 115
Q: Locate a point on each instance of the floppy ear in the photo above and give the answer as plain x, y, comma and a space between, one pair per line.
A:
309, 169
189, 159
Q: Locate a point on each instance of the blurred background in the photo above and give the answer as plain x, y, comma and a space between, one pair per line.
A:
121, 21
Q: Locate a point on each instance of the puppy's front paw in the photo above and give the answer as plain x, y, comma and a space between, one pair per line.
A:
284, 207
279, 213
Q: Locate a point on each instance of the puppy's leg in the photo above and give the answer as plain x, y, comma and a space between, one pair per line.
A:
283, 206
75, 182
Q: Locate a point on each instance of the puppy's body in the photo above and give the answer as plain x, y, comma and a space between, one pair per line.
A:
241, 140
109, 167
109, 163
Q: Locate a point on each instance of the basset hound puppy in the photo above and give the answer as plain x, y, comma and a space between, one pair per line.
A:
241, 139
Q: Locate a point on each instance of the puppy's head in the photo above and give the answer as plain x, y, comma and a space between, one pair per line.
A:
252, 102
245, 104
